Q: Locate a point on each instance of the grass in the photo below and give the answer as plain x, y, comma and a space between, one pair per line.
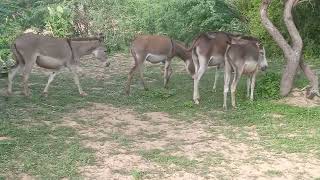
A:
274, 173
39, 147
137, 175
161, 157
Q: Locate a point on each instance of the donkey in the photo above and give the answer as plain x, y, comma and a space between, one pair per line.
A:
208, 49
245, 57
53, 54
157, 49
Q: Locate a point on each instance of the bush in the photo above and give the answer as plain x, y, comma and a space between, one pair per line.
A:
268, 87
121, 21
305, 16
59, 21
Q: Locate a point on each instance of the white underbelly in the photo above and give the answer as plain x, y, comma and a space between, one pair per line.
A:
250, 67
154, 58
49, 62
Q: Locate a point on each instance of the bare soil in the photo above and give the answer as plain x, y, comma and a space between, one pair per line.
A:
119, 135
298, 98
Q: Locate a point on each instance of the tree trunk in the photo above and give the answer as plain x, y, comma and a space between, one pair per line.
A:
288, 75
293, 52
313, 89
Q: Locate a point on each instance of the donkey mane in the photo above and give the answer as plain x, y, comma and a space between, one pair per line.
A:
86, 39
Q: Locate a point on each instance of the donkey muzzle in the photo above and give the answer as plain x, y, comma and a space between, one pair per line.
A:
263, 68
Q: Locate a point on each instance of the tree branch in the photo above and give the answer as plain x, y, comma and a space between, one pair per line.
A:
273, 31
313, 89
297, 42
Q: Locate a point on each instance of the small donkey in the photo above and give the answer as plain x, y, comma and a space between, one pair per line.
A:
247, 56
157, 49
53, 54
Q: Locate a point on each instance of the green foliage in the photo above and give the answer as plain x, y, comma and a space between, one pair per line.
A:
122, 20
268, 86
180, 19
185, 19
59, 21
17, 16
306, 16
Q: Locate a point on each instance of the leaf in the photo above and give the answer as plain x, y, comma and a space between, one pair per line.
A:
59, 9
50, 11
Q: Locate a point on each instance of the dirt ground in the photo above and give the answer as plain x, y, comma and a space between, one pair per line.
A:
131, 145
120, 135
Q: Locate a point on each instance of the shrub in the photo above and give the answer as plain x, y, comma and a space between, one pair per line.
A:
59, 21
268, 87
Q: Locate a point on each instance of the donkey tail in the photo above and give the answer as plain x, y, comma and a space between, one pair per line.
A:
134, 55
17, 56
227, 56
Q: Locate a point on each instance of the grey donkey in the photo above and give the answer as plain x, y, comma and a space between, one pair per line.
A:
53, 54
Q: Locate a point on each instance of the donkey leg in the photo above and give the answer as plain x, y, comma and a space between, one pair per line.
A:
253, 83
12, 73
51, 77
130, 76
227, 77
167, 72
25, 78
162, 65
76, 81
237, 76
202, 70
248, 86
141, 69
216, 77
195, 60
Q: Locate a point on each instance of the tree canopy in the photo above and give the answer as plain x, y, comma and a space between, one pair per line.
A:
122, 20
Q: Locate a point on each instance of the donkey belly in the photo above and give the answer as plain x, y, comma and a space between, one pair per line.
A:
153, 58
49, 62
250, 67
216, 61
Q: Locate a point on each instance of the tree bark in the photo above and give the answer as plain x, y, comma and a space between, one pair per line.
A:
313, 89
293, 52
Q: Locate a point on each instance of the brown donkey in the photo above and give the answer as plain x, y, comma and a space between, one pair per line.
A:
156, 49
209, 49
53, 54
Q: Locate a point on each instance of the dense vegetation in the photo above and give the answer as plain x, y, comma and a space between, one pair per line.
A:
122, 20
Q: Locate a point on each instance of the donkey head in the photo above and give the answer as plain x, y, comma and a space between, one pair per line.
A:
101, 52
262, 62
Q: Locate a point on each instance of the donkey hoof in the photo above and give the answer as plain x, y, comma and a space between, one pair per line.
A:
45, 94
225, 107
83, 94
196, 101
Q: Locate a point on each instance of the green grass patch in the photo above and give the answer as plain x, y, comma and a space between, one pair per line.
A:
163, 158
137, 175
274, 173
